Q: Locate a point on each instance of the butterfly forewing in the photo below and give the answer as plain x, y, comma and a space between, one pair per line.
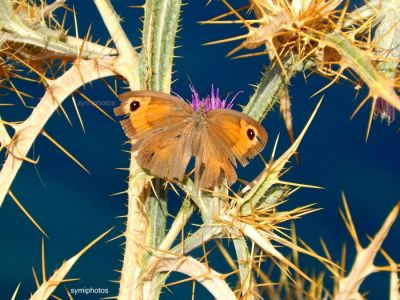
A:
150, 112
229, 135
242, 135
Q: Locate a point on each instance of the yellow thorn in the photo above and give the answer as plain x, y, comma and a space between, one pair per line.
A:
371, 116
45, 134
27, 214
300, 185
360, 106
14, 296
348, 220
229, 13
236, 13
235, 38
35, 278
77, 112
95, 105
274, 149
44, 277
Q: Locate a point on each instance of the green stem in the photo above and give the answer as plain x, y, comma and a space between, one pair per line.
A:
155, 61
266, 196
359, 60
270, 88
245, 272
159, 32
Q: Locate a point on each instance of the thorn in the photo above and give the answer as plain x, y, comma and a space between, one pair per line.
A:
77, 112
35, 277
235, 38
26, 213
14, 296
55, 143
95, 105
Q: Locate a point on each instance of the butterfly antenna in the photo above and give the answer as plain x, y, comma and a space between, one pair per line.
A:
189, 79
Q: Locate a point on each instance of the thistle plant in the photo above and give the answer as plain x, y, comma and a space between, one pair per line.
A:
247, 222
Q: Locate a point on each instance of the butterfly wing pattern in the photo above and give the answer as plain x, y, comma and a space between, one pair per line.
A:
150, 112
166, 132
228, 136
158, 125
167, 153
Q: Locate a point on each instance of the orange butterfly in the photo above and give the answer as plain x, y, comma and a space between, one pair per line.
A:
167, 132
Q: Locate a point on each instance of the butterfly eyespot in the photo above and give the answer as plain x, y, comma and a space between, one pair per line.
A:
134, 105
251, 134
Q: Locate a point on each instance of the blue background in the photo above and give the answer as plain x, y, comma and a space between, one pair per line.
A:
74, 207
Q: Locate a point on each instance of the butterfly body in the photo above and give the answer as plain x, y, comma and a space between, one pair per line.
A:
167, 131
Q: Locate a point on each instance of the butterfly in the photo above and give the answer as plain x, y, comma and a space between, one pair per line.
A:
166, 131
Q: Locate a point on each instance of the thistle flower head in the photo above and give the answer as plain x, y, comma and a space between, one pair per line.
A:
287, 27
337, 43
211, 101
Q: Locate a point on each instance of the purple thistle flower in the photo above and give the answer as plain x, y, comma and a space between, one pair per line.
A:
210, 102
385, 111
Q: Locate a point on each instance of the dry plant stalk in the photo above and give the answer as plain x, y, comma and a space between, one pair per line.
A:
297, 35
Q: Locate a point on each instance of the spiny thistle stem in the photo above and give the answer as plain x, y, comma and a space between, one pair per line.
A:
135, 234
47, 288
80, 73
4, 136
176, 228
156, 58
245, 268
180, 221
269, 89
151, 253
203, 235
213, 281
155, 64
128, 59
136, 225
159, 32
13, 28
356, 59
364, 263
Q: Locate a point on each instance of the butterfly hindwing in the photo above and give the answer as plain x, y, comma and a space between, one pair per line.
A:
213, 162
167, 153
